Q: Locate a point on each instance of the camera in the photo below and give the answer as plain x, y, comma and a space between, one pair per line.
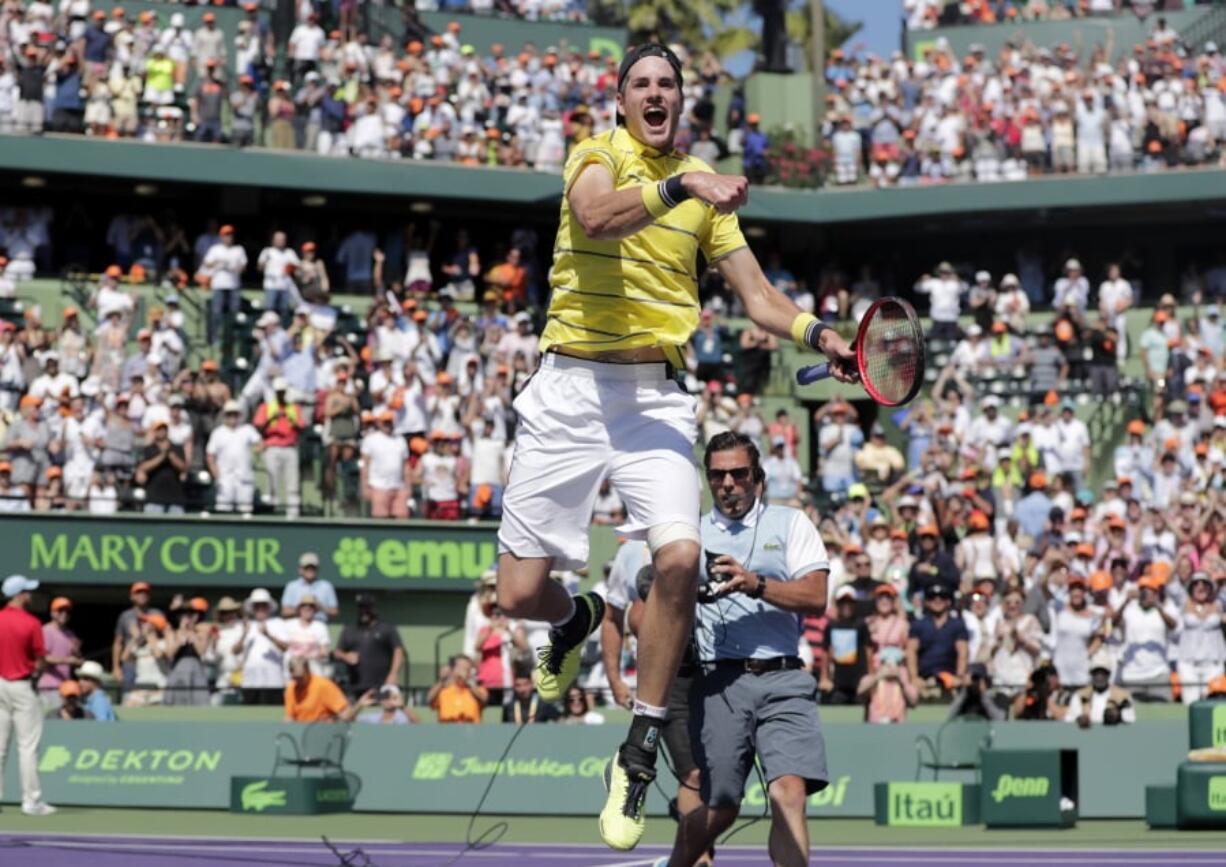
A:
708, 590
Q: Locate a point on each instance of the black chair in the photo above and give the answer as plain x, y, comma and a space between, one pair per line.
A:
957, 747
321, 747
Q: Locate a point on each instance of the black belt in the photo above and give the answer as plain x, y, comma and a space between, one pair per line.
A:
762, 666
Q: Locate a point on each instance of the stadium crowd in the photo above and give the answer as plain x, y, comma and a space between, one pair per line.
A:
929, 14
117, 75
1029, 110
971, 561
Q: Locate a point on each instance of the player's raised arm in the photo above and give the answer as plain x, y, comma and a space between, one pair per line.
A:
775, 312
609, 214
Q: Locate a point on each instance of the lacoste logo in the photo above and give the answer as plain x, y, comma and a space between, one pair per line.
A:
772, 546
256, 798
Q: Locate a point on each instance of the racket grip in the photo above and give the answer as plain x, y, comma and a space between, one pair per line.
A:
813, 373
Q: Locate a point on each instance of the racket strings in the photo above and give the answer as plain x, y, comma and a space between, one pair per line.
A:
893, 353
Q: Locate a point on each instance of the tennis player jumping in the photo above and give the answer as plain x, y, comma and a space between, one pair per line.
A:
604, 402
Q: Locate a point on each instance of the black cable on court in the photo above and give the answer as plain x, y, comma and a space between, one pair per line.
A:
353, 858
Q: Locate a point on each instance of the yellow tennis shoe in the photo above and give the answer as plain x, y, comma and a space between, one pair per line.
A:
623, 819
557, 663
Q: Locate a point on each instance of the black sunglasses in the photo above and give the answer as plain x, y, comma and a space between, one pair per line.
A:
740, 475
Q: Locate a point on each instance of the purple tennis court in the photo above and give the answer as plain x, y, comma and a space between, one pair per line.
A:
71, 851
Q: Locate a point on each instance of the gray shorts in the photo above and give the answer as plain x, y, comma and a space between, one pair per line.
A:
736, 714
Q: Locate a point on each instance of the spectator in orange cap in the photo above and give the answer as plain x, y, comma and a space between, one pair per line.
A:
1134, 458
188, 644
386, 476
223, 265
1076, 626
839, 437
145, 650
29, 445
932, 566
69, 695
63, 651
1155, 354
975, 555
442, 479
1034, 510
126, 626
1147, 625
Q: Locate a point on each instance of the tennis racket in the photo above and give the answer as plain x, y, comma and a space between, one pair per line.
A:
889, 354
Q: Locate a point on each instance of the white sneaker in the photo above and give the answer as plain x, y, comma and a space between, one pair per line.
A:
660, 862
38, 808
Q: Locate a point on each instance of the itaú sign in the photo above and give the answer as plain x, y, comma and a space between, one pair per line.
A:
248, 553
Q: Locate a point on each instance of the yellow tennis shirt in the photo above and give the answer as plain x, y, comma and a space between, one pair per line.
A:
640, 291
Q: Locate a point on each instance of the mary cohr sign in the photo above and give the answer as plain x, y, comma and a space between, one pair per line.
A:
246, 553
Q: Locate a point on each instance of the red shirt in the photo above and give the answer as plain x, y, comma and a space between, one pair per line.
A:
21, 643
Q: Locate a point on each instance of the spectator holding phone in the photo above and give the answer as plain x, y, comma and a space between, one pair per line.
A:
457, 696
391, 707
887, 688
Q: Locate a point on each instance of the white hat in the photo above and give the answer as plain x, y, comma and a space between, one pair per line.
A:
1009, 281
259, 596
845, 592
983, 277
15, 584
523, 316
1102, 659
991, 401
973, 330
1072, 264
907, 501
302, 310
280, 383
231, 406
267, 318
176, 20
91, 670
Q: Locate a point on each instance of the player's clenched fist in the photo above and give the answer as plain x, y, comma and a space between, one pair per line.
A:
725, 193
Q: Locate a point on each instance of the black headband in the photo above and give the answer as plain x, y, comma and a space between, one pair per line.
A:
651, 49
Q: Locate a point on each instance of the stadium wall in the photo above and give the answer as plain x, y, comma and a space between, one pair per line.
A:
552, 770
1119, 32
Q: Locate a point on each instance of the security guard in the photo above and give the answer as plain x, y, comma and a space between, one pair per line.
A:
766, 569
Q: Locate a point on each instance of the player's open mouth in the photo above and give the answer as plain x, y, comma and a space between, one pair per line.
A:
655, 116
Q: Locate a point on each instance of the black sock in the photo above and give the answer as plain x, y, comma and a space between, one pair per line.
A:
638, 753
575, 630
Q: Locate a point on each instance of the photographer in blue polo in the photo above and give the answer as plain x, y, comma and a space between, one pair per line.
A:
766, 568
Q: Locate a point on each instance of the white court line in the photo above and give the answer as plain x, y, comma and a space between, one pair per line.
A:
1020, 858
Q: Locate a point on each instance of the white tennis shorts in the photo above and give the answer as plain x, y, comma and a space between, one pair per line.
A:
581, 422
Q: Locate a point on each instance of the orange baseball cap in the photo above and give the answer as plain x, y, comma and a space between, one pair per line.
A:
114, 271
899, 534
138, 587
1084, 549
5, 467
60, 602
29, 400
929, 530
885, 589
227, 229
1115, 522
444, 378
1078, 514
1100, 581
1136, 427
1038, 480
999, 328
1160, 571
978, 521
308, 246
1161, 316
157, 621
55, 472
198, 603
208, 364
1076, 579
853, 549
1217, 686
420, 316
70, 687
